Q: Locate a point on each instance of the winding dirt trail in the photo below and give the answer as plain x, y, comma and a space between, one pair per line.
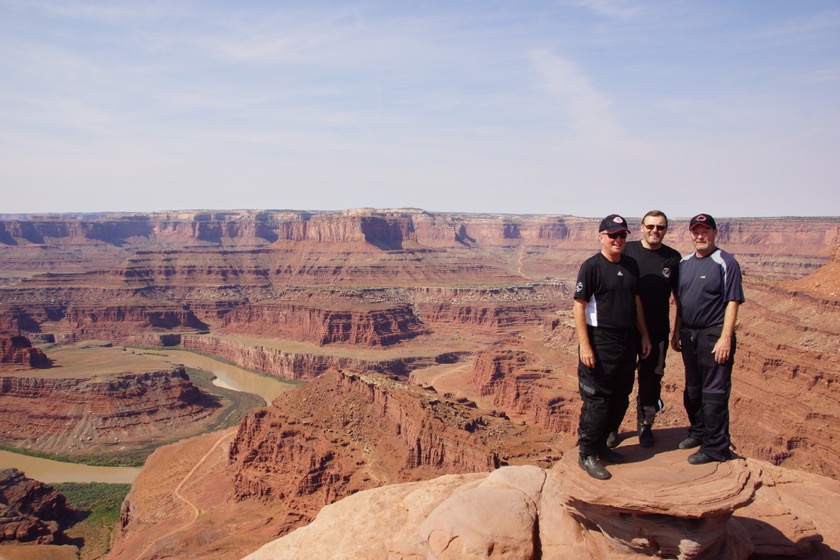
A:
181, 497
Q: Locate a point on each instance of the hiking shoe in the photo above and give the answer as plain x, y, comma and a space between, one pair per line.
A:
593, 467
646, 438
700, 458
612, 440
610, 456
690, 442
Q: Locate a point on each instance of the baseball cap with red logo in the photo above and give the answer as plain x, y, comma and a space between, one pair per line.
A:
612, 224
704, 220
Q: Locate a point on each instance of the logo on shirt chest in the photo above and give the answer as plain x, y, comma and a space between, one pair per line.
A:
666, 272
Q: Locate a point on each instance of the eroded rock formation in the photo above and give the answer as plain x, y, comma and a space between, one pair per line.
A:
17, 351
81, 415
30, 511
380, 325
344, 432
185, 271
267, 356
661, 507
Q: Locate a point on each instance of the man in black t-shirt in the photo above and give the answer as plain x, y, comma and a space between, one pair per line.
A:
608, 320
658, 276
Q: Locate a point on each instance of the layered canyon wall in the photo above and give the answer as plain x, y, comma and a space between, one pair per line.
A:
345, 431
79, 416
113, 275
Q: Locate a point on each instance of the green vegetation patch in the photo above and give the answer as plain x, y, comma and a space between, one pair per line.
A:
98, 505
131, 458
100, 500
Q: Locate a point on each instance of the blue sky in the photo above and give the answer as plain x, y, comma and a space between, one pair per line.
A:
582, 107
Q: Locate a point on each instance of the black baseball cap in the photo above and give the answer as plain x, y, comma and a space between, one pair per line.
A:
702, 219
612, 224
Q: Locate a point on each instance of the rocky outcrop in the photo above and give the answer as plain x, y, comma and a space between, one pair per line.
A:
825, 282
525, 386
488, 310
81, 415
18, 351
30, 511
785, 400
658, 508
91, 315
119, 322
482, 317
380, 325
343, 432
269, 357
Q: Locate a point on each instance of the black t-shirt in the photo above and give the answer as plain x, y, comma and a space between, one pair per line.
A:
658, 277
609, 290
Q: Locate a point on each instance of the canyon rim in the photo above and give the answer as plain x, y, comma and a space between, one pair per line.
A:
426, 345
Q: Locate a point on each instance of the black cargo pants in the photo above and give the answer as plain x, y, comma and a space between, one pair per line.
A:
605, 388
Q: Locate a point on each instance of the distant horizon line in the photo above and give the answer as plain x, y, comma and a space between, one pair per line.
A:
359, 211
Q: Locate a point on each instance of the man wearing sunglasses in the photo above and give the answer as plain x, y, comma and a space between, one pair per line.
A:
608, 320
658, 275
710, 293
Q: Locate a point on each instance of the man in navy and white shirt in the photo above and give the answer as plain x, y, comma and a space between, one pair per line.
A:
608, 321
709, 295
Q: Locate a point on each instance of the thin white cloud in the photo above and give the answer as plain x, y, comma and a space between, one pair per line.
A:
804, 26
586, 109
618, 9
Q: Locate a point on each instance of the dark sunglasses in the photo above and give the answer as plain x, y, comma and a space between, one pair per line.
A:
621, 234
658, 227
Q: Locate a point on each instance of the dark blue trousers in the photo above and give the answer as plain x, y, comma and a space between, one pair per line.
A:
707, 388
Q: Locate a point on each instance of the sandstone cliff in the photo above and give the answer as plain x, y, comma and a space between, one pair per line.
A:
661, 507
112, 275
343, 432
526, 386
333, 436
31, 512
86, 415
381, 325
108, 235
18, 351
269, 357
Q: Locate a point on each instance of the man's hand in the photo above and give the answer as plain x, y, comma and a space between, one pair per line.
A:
676, 343
587, 356
722, 349
646, 346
